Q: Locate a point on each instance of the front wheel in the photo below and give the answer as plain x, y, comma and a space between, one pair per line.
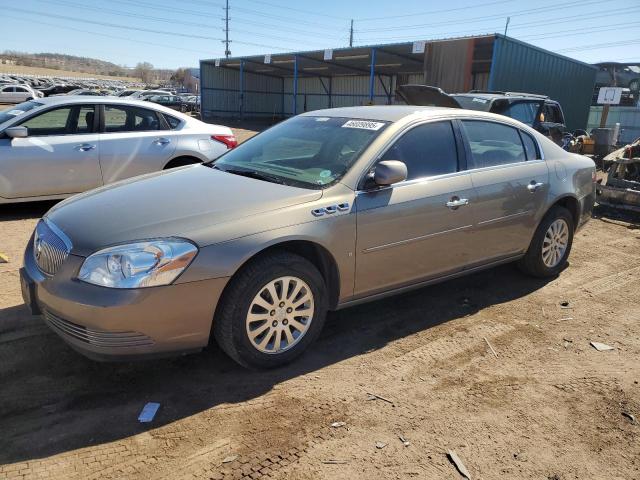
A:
272, 310
551, 244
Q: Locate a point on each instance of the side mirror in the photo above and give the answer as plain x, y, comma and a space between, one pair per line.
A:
17, 132
389, 172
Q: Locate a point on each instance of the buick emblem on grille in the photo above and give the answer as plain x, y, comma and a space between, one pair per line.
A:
38, 247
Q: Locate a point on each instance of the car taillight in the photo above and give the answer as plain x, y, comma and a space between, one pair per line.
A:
229, 140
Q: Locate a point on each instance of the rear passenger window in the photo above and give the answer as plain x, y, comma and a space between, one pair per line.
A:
427, 150
129, 119
529, 146
172, 121
493, 144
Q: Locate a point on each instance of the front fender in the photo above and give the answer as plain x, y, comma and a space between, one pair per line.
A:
336, 234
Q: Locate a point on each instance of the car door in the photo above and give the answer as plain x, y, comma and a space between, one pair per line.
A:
511, 180
419, 228
59, 155
133, 141
7, 94
21, 94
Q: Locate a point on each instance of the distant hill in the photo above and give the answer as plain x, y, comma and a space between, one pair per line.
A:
58, 61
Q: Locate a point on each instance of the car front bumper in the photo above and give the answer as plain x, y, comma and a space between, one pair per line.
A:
121, 324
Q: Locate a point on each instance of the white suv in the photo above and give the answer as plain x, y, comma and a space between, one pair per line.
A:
18, 93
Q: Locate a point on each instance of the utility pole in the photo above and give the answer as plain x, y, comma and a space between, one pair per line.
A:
351, 34
226, 41
506, 26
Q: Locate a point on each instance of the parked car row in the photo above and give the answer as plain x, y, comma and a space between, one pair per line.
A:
48, 86
252, 248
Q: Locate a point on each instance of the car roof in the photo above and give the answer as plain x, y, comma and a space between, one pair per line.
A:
73, 99
396, 113
386, 113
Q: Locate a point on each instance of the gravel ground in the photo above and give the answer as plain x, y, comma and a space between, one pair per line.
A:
548, 406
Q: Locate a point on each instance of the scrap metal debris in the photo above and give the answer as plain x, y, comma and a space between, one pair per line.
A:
630, 416
230, 458
404, 441
621, 187
4, 258
333, 461
492, 350
380, 445
459, 465
338, 424
601, 347
373, 396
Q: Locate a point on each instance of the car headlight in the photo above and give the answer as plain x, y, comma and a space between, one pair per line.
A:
137, 265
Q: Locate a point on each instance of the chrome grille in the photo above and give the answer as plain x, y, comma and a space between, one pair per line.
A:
51, 247
98, 338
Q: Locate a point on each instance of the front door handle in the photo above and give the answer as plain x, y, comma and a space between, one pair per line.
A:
457, 202
534, 186
162, 141
85, 147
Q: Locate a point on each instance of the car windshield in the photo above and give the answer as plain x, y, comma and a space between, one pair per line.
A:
308, 152
473, 103
15, 110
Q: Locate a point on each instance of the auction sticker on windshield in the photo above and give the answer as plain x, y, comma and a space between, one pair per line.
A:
363, 124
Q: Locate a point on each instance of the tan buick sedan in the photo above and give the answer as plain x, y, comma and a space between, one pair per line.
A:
323, 211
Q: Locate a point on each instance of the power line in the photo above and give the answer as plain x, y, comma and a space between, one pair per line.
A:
64, 27
433, 12
298, 10
146, 30
596, 46
545, 9
493, 29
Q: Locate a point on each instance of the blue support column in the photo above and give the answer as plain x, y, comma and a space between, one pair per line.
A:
241, 88
295, 85
372, 75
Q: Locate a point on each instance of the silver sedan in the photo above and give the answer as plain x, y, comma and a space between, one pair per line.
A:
54, 147
326, 210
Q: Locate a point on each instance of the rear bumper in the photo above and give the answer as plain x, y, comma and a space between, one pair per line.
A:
117, 324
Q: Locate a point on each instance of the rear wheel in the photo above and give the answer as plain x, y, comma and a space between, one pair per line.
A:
551, 244
272, 310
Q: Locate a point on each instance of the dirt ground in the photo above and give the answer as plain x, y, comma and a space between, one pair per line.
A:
549, 406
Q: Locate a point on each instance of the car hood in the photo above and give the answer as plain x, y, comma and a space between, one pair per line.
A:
190, 202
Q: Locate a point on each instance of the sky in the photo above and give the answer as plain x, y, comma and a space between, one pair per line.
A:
172, 34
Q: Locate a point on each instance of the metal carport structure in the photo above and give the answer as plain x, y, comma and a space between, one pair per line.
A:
279, 85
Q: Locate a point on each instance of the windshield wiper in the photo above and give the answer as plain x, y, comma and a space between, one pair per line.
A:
254, 174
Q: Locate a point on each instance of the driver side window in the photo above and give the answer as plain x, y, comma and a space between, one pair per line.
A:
61, 121
427, 150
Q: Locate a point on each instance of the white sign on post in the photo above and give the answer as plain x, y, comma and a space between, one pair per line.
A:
267, 58
217, 62
418, 47
328, 54
609, 95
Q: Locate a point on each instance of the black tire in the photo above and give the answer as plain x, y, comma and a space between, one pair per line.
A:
229, 328
532, 263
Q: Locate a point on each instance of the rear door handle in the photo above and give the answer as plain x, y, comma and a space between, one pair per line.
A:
534, 186
85, 147
457, 202
162, 141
